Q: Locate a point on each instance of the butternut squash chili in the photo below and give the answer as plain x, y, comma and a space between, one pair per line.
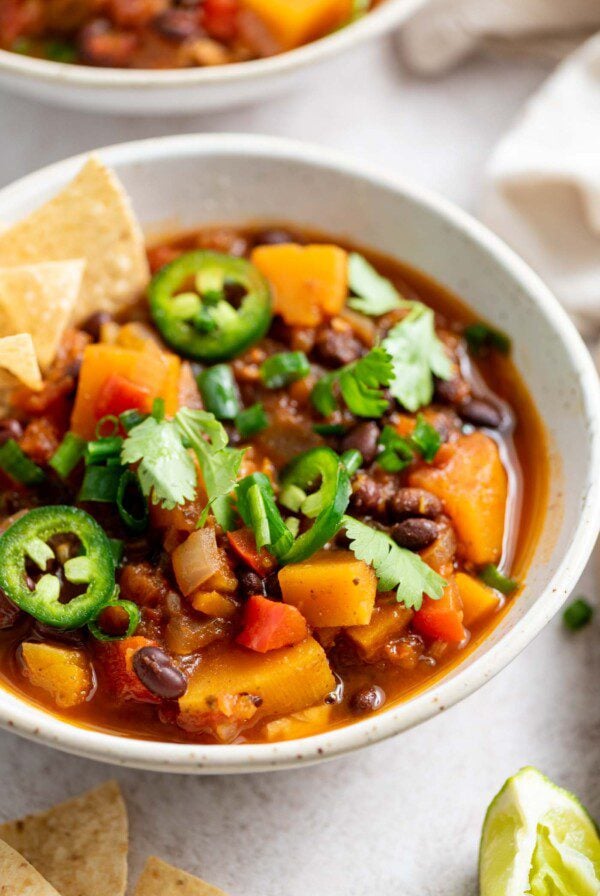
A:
276, 497
168, 33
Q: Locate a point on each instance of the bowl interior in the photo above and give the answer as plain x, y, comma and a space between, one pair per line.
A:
179, 183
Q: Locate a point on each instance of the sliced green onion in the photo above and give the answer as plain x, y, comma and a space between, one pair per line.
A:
578, 614
219, 391
103, 449
100, 484
108, 420
129, 419
397, 452
330, 429
134, 616
158, 409
492, 576
251, 420
15, 463
135, 515
285, 368
425, 438
68, 454
117, 547
480, 336
352, 460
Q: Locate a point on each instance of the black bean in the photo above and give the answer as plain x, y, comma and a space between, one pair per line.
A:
274, 236
367, 699
156, 671
251, 583
372, 495
177, 24
415, 502
415, 534
94, 323
335, 349
272, 587
480, 413
452, 391
10, 429
363, 438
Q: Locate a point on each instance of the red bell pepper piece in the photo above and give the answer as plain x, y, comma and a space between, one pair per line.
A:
118, 394
244, 544
441, 619
115, 659
220, 18
269, 625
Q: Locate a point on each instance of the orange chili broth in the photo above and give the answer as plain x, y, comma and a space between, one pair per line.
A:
526, 456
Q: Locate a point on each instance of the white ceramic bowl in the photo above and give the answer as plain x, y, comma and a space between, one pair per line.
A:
181, 182
180, 91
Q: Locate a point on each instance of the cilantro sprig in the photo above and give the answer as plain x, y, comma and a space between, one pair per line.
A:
417, 355
360, 385
374, 295
166, 470
395, 567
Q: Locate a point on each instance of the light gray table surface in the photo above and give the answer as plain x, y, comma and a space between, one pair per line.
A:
401, 818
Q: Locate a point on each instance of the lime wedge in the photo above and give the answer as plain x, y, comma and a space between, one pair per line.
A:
538, 840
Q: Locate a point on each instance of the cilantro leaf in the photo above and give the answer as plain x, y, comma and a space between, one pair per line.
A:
425, 438
219, 464
166, 471
360, 385
374, 294
417, 354
395, 567
257, 507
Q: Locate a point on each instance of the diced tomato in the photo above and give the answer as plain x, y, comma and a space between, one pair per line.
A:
220, 18
244, 544
441, 619
118, 394
115, 659
269, 625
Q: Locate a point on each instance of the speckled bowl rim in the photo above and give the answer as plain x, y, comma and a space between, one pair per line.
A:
242, 758
380, 20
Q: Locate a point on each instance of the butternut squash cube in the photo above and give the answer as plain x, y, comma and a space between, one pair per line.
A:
472, 483
478, 600
286, 681
331, 588
308, 282
388, 621
64, 672
296, 22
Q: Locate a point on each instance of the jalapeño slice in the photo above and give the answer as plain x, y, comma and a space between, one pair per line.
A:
323, 468
202, 322
26, 544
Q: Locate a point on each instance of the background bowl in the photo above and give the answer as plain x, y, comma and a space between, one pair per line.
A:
237, 179
180, 91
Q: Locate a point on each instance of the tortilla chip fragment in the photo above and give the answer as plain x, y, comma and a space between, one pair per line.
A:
160, 879
18, 362
91, 218
19, 878
40, 299
79, 846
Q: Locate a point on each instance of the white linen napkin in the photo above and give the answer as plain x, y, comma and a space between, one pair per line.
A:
542, 186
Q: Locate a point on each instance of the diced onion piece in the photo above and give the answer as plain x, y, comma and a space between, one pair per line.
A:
196, 560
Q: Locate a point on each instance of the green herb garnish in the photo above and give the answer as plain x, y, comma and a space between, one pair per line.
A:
166, 471
480, 336
15, 463
257, 507
251, 420
399, 451
373, 294
417, 355
360, 384
425, 438
492, 576
67, 455
578, 614
284, 368
395, 567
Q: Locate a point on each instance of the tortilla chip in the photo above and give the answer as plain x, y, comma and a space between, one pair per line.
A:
90, 218
40, 299
19, 878
160, 879
18, 363
79, 846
